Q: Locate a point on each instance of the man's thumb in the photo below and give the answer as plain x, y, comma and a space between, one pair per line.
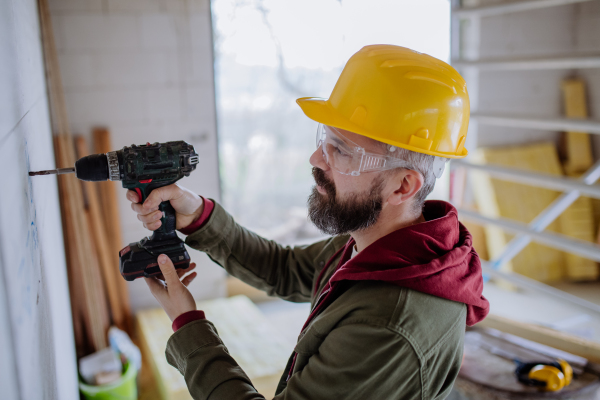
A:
168, 270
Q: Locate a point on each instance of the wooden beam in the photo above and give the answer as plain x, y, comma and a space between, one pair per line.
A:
112, 227
578, 144
108, 266
541, 334
578, 220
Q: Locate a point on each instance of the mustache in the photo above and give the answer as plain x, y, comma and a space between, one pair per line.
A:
322, 181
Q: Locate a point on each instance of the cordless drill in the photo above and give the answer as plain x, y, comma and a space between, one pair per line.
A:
143, 168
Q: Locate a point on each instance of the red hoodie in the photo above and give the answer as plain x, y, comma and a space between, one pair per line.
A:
434, 257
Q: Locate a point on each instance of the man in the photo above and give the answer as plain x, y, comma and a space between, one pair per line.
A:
392, 289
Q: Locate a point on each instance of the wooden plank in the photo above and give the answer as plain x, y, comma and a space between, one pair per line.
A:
94, 308
547, 336
578, 220
108, 266
513, 343
75, 279
578, 148
112, 227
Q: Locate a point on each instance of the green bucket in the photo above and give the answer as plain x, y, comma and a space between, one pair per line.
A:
125, 388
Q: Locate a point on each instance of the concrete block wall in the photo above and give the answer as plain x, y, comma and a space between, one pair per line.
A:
144, 69
37, 352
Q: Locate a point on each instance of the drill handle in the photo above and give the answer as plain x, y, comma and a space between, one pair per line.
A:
167, 229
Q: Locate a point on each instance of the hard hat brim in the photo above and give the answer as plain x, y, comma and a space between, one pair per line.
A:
320, 110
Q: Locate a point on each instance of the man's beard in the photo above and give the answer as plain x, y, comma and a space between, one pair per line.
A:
337, 217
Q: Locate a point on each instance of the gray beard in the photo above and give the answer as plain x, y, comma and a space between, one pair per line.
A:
358, 212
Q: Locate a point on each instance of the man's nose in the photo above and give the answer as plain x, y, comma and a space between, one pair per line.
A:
318, 160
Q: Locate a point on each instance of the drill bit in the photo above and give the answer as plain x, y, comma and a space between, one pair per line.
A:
58, 171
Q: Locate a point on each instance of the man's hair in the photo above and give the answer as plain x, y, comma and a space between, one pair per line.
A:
420, 162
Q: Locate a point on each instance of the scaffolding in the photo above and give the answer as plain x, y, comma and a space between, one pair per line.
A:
465, 52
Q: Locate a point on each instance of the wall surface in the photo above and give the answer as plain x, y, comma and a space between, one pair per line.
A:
144, 69
37, 359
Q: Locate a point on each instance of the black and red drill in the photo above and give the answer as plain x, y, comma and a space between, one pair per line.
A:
143, 168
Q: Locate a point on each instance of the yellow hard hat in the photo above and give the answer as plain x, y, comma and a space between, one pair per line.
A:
400, 97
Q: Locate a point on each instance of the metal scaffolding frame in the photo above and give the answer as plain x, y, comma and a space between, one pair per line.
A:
510, 7
468, 60
549, 124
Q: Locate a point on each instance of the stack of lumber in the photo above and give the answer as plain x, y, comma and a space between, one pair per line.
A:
103, 219
107, 192
96, 300
88, 300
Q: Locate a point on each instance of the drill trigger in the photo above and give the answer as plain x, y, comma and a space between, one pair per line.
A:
139, 192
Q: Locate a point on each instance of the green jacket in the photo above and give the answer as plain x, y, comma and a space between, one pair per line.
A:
375, 341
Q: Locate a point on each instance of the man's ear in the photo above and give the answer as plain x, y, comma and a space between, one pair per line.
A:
406, 183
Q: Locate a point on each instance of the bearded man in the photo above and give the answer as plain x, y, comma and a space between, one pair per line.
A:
393, 288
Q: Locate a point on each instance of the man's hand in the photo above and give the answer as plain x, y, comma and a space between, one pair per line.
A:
172, 294
187, 204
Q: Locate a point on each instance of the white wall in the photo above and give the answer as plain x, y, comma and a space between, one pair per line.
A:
37, 352
145, 70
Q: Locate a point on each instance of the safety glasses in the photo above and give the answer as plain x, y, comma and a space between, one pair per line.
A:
348, 158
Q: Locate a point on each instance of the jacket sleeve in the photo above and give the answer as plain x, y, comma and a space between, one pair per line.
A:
280, 271
355, 361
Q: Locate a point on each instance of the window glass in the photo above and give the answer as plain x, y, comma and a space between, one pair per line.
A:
270, 52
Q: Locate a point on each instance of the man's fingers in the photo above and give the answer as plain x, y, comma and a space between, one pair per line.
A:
161, 194
156, 287
153, 226
168, 270
139, 209
182, 272
188, 279
132, 196
152, 217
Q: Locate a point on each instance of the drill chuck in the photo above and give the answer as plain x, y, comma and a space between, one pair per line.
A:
92, 168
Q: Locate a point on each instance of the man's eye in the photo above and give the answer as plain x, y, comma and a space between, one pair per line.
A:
342, 152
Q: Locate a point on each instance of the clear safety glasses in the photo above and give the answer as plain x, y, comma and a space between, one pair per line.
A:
347, 157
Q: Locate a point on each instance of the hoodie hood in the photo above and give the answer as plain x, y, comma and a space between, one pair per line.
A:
434, 257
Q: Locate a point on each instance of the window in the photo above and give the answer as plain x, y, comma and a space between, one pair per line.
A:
270, 52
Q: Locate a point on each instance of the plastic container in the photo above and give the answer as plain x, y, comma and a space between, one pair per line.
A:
125, 388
